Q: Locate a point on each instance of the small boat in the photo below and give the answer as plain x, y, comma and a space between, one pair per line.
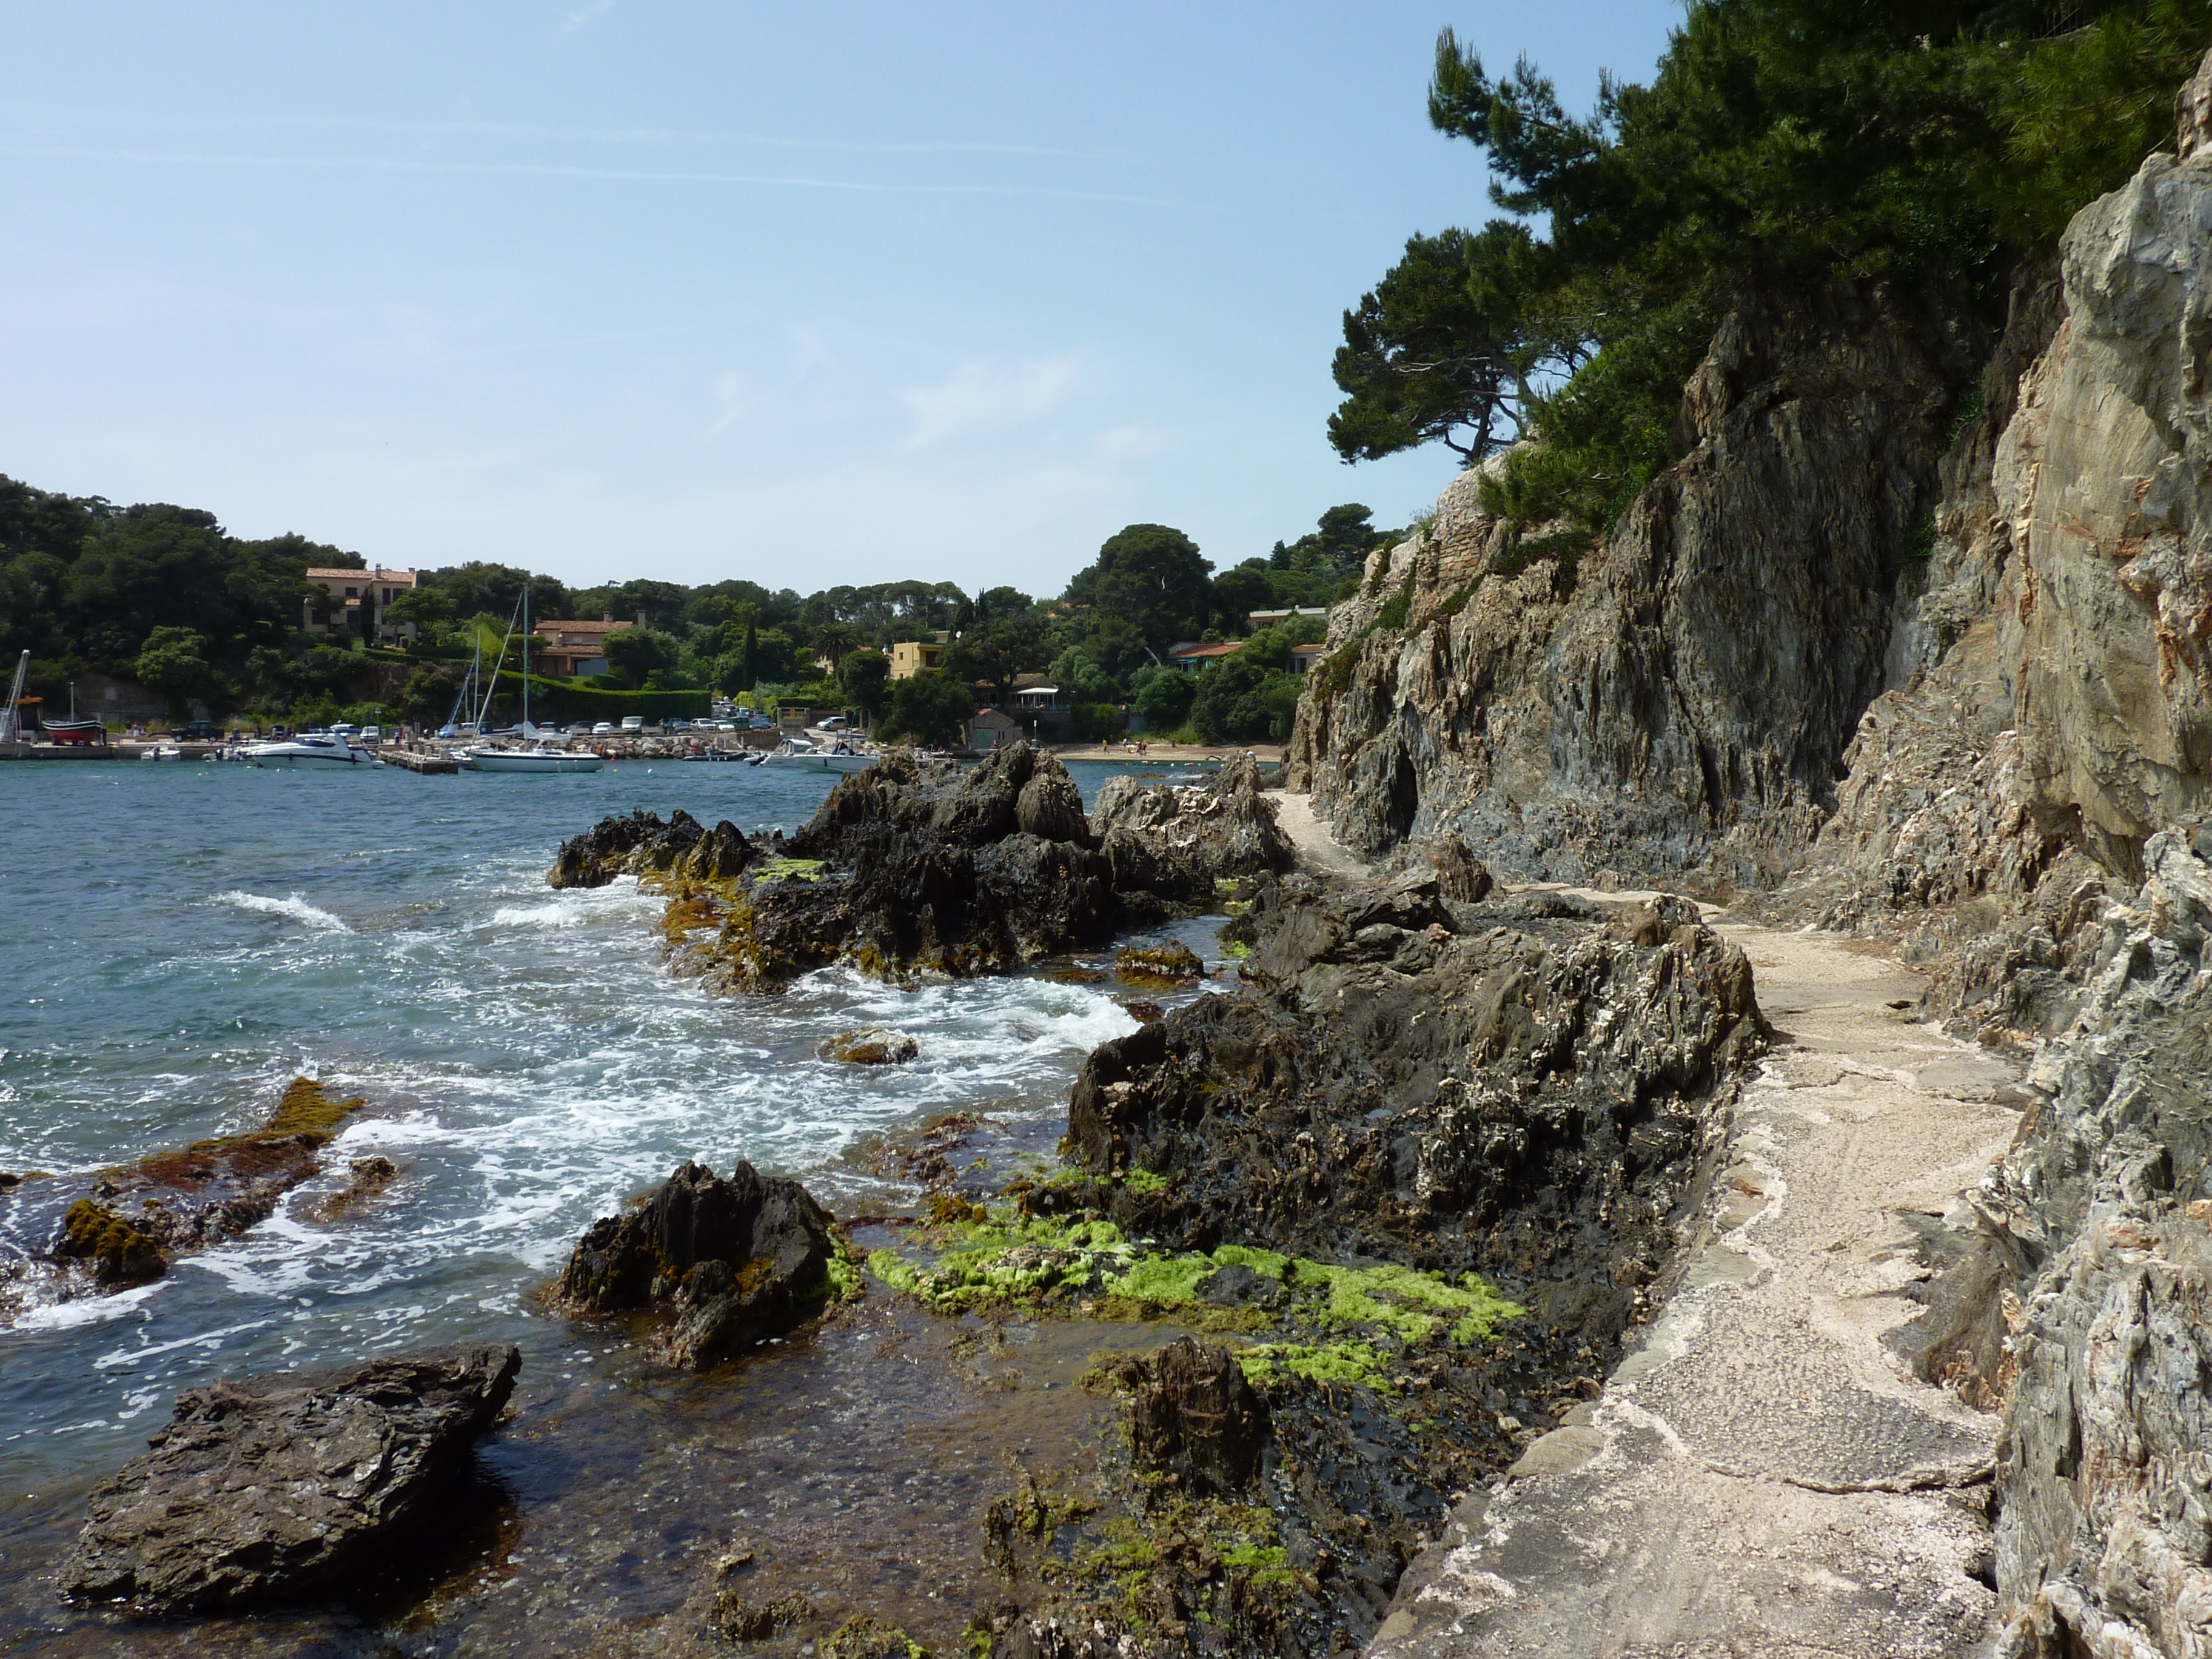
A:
161, 752
310, 750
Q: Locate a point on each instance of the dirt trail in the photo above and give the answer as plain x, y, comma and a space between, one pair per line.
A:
1762, 1479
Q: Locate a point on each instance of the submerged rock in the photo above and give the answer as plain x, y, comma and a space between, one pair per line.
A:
284, 1485
871, 1045
1163, 965
131, 1219
730, 1262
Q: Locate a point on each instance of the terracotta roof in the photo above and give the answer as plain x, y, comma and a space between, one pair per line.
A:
1192, 651
379, 574
548, 625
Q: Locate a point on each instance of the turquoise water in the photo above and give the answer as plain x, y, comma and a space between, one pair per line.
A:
177, 942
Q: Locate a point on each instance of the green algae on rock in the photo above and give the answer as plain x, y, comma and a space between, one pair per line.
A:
120, 1254
138, 1216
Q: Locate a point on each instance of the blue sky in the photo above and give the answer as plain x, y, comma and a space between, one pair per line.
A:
800, 293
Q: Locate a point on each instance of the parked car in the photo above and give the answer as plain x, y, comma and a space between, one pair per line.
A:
372, 734
197, 731
831, 722
602, 729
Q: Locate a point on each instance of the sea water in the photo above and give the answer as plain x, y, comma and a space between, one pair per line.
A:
177, 941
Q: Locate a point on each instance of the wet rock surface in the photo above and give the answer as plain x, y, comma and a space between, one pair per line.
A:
124, 1225
871, 1045
1195, 1417
1454, 1088
281, 1485
727, 1264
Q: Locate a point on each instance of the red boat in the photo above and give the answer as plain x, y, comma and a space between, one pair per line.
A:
76, 731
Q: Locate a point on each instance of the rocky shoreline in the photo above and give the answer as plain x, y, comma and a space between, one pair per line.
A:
1478, 1225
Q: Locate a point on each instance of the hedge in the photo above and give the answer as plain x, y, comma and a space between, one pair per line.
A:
559, 700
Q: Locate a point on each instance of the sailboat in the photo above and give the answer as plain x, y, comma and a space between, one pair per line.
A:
540, 754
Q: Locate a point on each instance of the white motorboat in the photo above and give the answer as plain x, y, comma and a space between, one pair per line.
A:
161, 752
311, 751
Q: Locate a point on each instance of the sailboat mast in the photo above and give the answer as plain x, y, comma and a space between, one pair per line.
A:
526, 657
11, 718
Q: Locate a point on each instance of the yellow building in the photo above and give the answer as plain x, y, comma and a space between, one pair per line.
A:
910, 657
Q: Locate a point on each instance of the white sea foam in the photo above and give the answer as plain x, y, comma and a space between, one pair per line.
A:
295, 907
84, 1309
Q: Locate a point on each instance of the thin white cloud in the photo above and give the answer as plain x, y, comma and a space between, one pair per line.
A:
584, 174
576, 20
980, 395
730, 400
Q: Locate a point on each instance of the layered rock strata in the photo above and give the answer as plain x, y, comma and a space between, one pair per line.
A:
279, 1485
1675, 698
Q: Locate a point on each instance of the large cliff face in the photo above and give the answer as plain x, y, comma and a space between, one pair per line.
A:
1678, 700
2029, 802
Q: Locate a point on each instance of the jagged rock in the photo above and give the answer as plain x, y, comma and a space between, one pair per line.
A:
729, 1263
1462, 877
641, 845
2024, 806
284, 1485
1525, 1098
1196, 1417
917, 867
871, 1045
1178, 841
1676, 699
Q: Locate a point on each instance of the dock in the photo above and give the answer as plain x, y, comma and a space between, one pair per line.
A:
428, 762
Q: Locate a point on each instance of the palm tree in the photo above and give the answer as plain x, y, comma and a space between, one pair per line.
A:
834, 639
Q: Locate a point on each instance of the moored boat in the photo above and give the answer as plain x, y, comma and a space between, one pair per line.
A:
309, 751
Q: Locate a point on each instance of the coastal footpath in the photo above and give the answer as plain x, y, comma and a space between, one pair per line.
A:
1982, 736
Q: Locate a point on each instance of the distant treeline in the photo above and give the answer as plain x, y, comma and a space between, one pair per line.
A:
162, 595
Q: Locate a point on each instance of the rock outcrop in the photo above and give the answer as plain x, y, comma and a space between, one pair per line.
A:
915, 867
2102, 1539
1512, 1088
1676, 699
727, 1264
1178, 841
125, 1224
285, 1484
1195, 1417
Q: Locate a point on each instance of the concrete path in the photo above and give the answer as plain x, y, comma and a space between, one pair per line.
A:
1760, 1476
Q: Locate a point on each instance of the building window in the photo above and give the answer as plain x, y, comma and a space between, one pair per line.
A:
353, 593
